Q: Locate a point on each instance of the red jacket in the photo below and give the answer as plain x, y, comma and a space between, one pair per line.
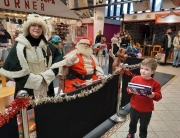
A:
142, 103
79, 68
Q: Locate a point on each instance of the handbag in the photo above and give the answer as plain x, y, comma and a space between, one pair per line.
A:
160, 57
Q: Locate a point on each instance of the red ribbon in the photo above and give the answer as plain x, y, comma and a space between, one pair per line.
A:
127, 72
15, 106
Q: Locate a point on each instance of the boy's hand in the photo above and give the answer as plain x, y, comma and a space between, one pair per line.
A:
152, 95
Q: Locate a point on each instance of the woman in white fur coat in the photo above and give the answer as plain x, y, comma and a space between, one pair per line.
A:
30, 59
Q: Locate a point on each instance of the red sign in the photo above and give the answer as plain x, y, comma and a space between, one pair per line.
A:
46, 7
172, 17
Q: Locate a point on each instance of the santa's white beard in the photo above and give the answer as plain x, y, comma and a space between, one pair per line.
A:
84, 51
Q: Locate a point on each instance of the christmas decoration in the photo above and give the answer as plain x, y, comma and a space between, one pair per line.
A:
21, 103
13, 109
85, 92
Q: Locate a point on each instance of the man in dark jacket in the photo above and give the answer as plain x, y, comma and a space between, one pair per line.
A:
98, 37
4, 36
167, 43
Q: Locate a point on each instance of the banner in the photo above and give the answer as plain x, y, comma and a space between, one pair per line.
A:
46, 7
171, 17
170, 4
142, 6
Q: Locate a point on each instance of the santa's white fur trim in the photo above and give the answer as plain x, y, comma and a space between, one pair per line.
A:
86, 41
34, 19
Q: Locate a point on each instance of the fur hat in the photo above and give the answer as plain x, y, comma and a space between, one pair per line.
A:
86, 40
34, 19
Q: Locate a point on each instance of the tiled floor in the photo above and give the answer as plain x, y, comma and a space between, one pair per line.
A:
165, 122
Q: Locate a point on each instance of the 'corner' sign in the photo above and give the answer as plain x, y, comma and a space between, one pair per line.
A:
36, 5
47, 7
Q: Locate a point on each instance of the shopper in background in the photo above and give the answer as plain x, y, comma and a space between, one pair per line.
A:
176, 44
142, 106
125, 41
30, 59
98, 37
115, 45
167, 43
56, 41
4, 46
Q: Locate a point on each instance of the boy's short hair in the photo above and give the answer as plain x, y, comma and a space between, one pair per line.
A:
150, 62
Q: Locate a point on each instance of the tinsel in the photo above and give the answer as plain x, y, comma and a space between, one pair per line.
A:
13, 108
85, 92
20, 103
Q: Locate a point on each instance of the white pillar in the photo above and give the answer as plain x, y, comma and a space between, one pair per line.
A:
99, 13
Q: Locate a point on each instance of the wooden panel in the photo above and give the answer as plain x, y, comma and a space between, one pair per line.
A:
3, 79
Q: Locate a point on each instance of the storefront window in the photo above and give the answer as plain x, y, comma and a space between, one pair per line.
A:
131, 9
118, 8
125, 8
106, 9
158, 5
112, 9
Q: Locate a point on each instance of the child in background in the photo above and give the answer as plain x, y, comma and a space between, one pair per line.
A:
141, 106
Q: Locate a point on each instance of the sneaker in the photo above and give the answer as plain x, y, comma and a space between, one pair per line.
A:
130, 136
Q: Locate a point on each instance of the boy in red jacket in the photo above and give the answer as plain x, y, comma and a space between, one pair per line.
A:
142, 106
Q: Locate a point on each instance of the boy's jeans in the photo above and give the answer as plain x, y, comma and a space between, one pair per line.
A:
144, 122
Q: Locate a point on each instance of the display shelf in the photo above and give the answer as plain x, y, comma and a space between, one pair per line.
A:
62, 30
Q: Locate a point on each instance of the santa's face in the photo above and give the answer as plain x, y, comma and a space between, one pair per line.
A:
84, 49
86, 46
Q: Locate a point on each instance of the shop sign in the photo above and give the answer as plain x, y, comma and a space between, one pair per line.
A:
22, 5
171, 17
170, 4
47, 7
142, 5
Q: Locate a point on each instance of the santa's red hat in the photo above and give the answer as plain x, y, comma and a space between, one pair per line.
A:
86, 40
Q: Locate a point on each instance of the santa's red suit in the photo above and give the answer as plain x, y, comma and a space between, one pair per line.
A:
83, 71
87, 69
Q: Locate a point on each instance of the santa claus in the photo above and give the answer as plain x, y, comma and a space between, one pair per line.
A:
83, 67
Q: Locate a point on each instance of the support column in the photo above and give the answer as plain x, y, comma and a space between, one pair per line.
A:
99, 14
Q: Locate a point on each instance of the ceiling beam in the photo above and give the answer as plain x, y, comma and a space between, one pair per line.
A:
103, 5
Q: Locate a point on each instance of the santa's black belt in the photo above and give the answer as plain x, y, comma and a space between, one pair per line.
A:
73, 74
84, 76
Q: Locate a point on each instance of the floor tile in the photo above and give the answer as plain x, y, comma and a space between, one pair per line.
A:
157, 125
166, 134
